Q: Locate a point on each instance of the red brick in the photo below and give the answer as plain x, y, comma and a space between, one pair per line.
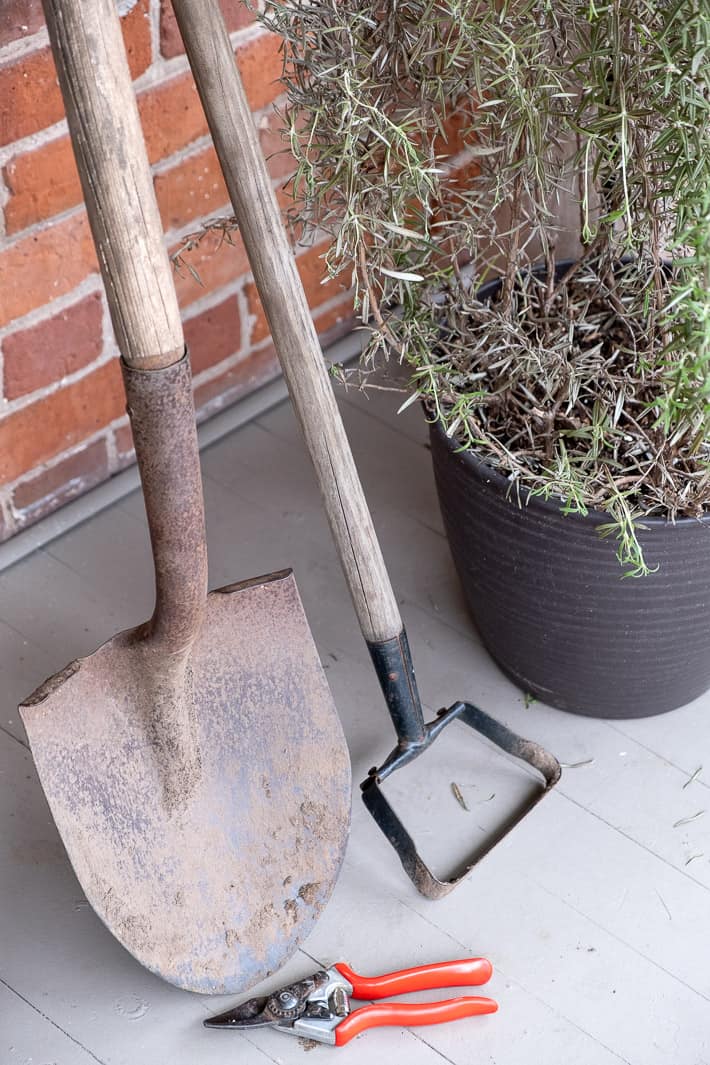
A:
275, 147
57, 347
191, 189
213, 335
260, 64
336, 321
216, 263
312, 270
45, 265
452, 140
236, 16
330, 324
259, 326
172, 115
37, 432
41, 183
19, 18
137, 38
40, 495
284, 198
459, 178
251, 373
30, 99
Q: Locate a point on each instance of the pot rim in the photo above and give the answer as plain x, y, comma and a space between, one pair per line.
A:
554, 503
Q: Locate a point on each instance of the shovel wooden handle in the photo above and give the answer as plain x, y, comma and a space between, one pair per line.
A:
118, 190
116, 180
219, 84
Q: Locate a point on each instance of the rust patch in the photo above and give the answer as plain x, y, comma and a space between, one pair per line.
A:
51, 684
308, 893
291, 909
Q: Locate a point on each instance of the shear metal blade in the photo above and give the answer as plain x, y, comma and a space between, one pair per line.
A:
249, 1015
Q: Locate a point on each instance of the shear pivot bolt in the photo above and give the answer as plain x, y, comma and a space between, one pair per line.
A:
285, 1004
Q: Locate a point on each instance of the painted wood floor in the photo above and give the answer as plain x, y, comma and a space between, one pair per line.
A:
595, 912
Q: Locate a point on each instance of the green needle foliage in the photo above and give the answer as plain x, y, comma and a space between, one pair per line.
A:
445, 143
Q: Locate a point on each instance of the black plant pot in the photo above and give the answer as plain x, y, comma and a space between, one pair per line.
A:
549, 599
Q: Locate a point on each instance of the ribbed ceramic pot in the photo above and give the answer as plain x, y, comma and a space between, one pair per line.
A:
547, 595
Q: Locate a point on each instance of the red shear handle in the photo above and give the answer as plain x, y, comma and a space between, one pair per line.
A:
410, 1014
469, 972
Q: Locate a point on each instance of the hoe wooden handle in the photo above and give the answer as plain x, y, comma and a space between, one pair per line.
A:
115, 176
286, 308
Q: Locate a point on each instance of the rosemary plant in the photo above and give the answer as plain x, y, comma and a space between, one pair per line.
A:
445, 143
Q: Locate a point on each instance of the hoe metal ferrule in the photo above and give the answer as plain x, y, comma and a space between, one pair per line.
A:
395, 672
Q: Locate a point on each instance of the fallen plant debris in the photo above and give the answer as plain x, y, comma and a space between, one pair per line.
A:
665, 907
688, 820
224, 230
459, 797
695, 776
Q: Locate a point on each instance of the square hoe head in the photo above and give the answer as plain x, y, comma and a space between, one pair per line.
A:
532, 754
210, 870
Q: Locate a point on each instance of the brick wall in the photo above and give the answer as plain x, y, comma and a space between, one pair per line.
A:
62, 422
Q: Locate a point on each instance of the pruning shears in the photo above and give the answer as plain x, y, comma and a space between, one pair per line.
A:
318, 1007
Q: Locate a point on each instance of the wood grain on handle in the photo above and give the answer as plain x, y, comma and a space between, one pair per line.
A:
115, 175
286, 308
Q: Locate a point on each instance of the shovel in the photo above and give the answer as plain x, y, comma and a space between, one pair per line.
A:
286, 308
195, 765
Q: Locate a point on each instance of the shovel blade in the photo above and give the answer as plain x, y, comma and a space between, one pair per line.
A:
213, 883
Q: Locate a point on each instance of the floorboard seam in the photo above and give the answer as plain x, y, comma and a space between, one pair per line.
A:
19, 632
537, 997
406, 515
256, 1046
390, 423
619, 939
14, 737
657, 754
436, 1050
53, 1023
631, 839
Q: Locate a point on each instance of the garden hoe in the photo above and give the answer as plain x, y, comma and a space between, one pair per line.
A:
212, 61
195, 765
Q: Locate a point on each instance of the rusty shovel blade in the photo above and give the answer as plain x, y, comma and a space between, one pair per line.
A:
210, 865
